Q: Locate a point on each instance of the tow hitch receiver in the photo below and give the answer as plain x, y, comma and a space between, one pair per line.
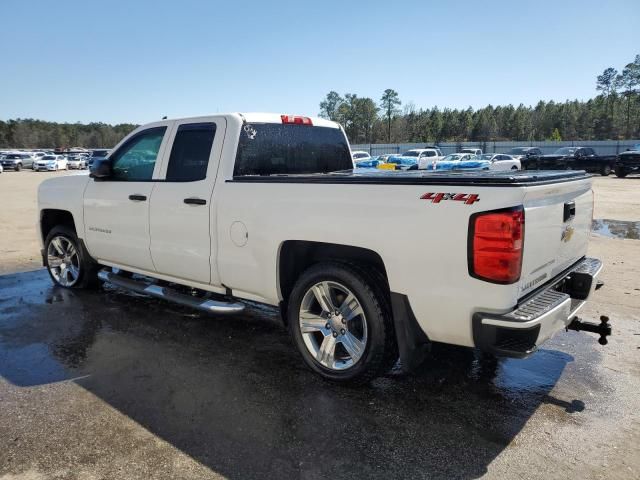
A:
603, 328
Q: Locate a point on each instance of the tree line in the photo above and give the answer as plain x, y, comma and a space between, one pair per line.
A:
30, 133
613, 114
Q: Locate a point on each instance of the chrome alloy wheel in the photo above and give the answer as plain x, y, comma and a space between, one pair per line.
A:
63, 261
333, 325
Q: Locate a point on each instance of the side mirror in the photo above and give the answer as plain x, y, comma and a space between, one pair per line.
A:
101, 169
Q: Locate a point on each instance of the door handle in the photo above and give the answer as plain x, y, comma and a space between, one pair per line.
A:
195, 201
137, 197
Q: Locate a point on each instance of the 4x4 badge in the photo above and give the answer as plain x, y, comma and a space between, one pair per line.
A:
467, 198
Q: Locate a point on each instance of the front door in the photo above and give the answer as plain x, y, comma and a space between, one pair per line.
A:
116, 209
182, 221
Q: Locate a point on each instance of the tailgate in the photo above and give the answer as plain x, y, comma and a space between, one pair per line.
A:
557, 227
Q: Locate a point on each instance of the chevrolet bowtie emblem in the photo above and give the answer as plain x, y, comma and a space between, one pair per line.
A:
567, 233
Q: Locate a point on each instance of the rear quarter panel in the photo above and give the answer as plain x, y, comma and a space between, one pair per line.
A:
423, 245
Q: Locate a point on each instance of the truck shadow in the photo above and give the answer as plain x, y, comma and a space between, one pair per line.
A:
232, 393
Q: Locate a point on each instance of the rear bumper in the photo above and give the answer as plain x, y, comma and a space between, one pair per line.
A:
537, 318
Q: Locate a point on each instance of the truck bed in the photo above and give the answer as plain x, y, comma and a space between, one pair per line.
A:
421, 177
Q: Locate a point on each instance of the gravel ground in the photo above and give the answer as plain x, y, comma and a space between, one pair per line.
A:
113, 385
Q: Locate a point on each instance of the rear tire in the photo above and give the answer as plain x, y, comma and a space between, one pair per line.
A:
621, 172
606, 171
68, 263
349, 339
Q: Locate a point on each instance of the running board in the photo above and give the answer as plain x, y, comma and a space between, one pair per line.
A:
166, 293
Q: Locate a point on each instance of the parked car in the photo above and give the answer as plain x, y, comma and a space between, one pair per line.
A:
528, 156
372, 162
472, 151
501, 161
577, 158
78, 162
462, 161
97, 154
628, 162
416, 158
360, 155
267, 208
1, 169
17, 161
51, 163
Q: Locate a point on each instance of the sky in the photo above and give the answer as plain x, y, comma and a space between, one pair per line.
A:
136, 61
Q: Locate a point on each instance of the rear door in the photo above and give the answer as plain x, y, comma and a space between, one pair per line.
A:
557, 226
181, 225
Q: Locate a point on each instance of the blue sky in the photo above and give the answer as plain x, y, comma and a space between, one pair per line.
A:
136, 61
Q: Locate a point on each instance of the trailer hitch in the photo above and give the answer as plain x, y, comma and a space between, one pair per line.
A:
603, 328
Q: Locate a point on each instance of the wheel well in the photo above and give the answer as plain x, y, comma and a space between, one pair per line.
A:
298, 255
50, 218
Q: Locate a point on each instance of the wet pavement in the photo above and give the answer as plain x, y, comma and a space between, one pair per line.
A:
231, 392
616, 228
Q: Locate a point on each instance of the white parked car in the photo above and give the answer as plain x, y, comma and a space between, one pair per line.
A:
472, 151
346, 256
51, 163
360, 155
425, 157
501, 161
78, 162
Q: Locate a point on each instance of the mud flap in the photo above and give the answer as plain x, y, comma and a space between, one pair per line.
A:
413, 343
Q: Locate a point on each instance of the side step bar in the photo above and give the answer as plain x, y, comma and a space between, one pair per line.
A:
166, 293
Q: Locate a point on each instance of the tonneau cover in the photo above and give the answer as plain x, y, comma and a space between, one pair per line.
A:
426, 177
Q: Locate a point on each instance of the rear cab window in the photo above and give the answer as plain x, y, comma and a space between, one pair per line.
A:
288, 149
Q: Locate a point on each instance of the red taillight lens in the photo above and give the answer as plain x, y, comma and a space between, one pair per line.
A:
495, 247
296, 120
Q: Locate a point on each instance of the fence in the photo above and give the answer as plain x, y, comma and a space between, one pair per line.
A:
604, 147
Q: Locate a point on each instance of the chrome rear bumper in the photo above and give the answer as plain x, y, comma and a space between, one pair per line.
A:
538, 317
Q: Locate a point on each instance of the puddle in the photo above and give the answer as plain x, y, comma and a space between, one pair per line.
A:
616, 228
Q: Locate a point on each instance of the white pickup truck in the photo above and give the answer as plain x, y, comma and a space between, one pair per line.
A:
365, 267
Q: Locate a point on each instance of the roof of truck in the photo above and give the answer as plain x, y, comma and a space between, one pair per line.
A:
263, 117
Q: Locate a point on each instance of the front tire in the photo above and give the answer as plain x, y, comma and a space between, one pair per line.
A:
340, 320
18, 167
68, 263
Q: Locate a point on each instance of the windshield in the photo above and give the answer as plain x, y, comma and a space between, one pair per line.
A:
566, 151
288, 149
453, 157
486, 156
411, 153
100, 153
360, 155
48, 157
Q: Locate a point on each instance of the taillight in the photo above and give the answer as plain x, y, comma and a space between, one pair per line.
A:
495, 245
296, 120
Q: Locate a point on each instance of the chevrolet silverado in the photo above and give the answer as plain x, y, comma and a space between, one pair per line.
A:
214, 211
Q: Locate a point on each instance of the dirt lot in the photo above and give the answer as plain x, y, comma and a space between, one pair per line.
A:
112, 385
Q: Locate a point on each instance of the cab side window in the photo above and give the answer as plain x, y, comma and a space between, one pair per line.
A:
136, 159
190, 152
